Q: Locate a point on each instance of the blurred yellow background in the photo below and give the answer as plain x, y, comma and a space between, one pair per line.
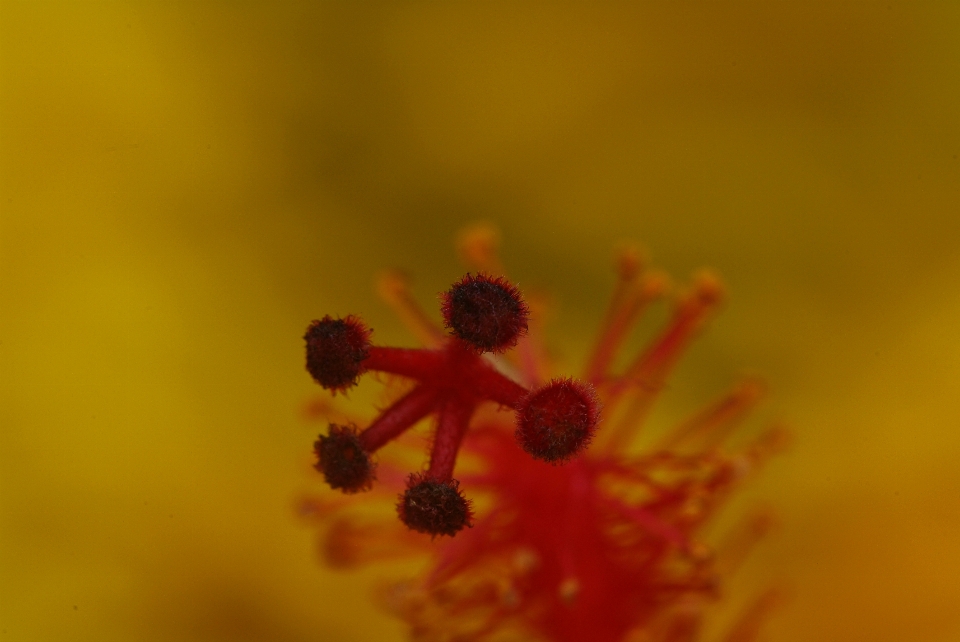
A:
184, 186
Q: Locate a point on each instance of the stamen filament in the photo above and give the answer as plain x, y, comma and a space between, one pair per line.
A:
530, 356
646, 377
652, 366
747, 626
651, 523
627, 306
709, 427
394, 288
479, 246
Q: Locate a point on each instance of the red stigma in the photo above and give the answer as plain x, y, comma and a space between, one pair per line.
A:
434, 507
486, 312
556, 422
336, 349
451, 381
343, 461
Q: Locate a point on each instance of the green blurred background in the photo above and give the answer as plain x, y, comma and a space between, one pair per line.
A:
185, 185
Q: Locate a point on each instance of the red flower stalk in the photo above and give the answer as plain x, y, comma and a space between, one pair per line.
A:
607, 547
483, 314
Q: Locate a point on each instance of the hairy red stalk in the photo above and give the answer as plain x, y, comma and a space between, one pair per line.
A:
403, 414
451, 427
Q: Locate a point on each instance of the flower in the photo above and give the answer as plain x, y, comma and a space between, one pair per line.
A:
572, 543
